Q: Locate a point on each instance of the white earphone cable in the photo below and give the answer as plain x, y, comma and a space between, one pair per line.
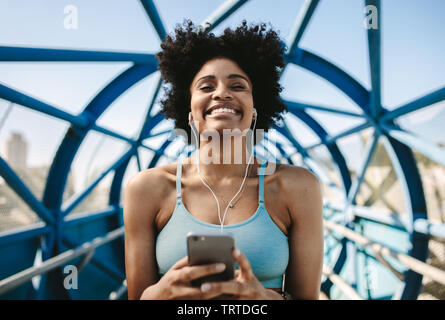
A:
221, 221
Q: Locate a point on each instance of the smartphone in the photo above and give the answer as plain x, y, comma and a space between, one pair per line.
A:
209, 249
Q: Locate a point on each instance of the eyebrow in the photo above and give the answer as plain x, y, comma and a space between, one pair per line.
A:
231, 76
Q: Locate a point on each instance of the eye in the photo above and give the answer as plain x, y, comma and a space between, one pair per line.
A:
206, 88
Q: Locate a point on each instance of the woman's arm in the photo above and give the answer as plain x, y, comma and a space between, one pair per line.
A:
140, 209
143, 197
303, 194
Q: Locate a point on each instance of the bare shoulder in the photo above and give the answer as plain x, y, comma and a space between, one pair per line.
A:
152, 181
144, 191
300, 188
295, 177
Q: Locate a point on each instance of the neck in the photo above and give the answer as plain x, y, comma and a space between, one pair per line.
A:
224, 160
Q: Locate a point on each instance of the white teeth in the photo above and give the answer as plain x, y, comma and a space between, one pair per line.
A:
219, 110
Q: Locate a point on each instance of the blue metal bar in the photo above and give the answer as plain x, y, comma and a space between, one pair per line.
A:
148, 117
158, 155
286, 132
37, 105
73, 202
151, 121
417, 104
6, 114
23, 191
330, 72
348, 132
28, 232
155, 19
432, 151
367, 157
44, 54
394, 220
56, 262
152, 135
82, 218
149, 125
142, 145
116, 188
113, 134
58, 173
332, 139
221, 13
374, 61
138, 161
304, 106
282, 152
105, 266
57, 177
332, 147
432, 229
304, 16
407, 172
327, 284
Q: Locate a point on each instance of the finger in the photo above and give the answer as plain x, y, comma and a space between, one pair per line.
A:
195, 272
181, 263
243, 262
213, 289
188, 293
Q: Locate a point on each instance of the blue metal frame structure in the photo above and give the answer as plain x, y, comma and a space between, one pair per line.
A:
58, 232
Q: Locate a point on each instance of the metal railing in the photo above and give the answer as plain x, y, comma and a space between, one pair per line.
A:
87, 250
380, 250
341, 284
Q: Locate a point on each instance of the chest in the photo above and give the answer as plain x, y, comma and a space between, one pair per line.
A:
200, 202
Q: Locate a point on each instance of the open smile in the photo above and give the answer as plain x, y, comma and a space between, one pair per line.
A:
223, 110
223, 114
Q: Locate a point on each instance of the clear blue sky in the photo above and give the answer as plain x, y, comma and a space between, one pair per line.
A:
412, 60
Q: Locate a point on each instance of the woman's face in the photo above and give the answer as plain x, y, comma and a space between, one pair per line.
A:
221, 96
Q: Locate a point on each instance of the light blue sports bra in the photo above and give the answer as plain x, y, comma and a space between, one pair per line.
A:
258, 237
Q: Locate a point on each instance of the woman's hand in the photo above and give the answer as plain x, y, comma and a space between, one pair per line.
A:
175, 284
245, 286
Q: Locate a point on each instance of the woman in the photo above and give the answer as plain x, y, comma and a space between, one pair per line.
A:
223, 83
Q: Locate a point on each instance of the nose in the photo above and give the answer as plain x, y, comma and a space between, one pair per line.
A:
222, 92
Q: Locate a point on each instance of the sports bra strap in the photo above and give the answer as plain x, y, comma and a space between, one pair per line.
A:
178, 179
261, 182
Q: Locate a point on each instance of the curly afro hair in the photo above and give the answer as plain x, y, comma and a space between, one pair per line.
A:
256, 50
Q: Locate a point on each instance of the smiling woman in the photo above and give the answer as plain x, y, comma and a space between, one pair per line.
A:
256, 51
221, 96
219, 84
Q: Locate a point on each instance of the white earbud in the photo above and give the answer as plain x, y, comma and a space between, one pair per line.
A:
255, 113
190, 116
